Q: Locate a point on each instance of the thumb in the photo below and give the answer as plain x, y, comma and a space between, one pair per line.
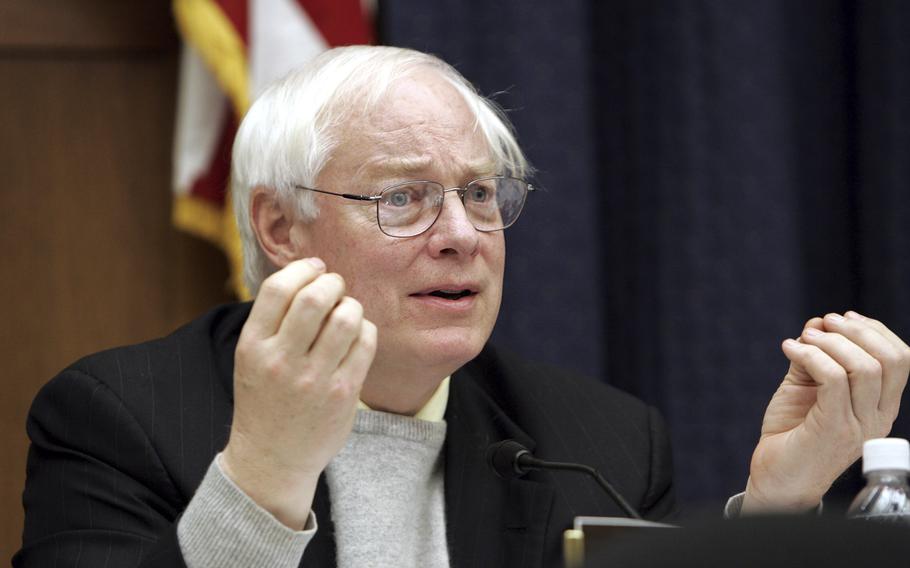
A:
797, 374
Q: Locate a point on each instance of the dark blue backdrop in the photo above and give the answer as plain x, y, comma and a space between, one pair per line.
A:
715, 174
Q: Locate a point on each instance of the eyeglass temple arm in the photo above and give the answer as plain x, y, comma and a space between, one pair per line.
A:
360, 197
345, 195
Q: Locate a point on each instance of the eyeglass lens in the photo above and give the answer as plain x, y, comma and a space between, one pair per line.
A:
411, 208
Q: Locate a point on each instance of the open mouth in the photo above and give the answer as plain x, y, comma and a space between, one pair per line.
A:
451, 294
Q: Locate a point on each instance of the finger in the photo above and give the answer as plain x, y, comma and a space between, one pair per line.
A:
308, 312
356, 364
814, 323
276, 294
833, 386
882, 329
864, 372
341, 330
885, 347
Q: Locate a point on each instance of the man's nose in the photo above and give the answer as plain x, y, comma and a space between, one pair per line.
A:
453, 232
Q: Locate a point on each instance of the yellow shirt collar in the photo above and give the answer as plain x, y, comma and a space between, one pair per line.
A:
434, 409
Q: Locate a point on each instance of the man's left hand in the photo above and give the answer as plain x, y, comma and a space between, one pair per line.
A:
843, 387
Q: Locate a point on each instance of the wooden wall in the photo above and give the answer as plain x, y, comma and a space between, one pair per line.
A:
89, 257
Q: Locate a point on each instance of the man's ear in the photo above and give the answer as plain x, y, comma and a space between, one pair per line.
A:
273, 225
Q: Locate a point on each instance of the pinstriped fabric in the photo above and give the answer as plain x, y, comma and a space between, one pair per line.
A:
594, 445
120, 441
607, 445
78, 498
180, 387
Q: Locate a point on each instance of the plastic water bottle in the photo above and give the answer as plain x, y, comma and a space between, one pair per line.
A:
886, 497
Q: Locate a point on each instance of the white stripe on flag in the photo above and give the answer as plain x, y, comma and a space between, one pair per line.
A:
201, 110
282, 37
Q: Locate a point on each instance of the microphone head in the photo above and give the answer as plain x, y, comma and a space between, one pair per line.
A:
503, 459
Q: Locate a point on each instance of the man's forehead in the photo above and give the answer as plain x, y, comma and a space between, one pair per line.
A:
421, 101
422, 127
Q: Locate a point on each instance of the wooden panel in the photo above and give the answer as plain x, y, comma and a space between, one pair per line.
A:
90, 259
86, 24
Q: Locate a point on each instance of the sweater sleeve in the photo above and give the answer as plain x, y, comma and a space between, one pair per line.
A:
733, 508
222, 526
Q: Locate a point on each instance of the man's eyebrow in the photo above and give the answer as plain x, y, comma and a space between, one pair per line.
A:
482, 167
395, 166
416, 165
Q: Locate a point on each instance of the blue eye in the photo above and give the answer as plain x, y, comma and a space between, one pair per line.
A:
406, 196
399, 199
478, 194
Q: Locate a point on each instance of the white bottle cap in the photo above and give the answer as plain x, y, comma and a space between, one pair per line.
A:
886, 453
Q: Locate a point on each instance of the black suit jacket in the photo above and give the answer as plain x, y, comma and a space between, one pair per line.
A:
122, 439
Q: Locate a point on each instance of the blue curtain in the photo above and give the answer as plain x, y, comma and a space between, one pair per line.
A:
715, 173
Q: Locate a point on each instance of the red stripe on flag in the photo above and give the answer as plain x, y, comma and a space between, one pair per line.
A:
237, 11
341, 22
211, 185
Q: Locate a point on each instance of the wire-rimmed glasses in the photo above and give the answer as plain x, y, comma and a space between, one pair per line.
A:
410, 208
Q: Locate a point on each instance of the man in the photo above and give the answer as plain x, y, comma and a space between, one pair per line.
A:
238, 439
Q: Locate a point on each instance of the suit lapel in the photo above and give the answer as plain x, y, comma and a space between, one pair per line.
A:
490, 521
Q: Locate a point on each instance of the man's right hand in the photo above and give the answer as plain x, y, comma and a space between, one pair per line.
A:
300, 362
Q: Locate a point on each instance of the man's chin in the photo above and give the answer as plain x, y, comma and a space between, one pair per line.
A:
442, 350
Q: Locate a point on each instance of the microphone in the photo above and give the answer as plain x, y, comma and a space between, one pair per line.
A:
510, 460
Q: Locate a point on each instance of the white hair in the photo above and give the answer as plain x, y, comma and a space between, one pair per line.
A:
289, 133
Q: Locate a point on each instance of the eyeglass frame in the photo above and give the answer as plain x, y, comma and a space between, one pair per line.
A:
461, 190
